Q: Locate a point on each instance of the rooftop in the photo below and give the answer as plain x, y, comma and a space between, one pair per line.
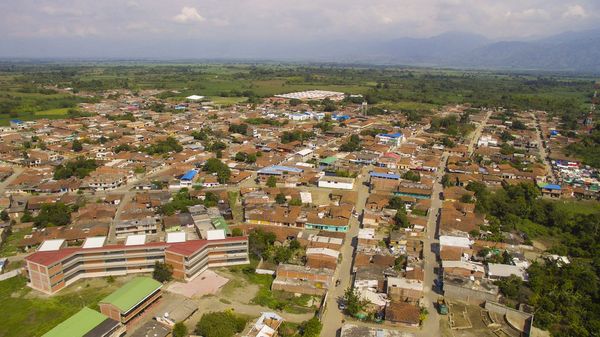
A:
132, 293
80, 324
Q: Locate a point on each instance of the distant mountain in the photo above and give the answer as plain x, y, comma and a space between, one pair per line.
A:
571, 51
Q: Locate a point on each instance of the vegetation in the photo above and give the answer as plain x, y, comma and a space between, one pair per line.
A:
79, 168
587, 148
272, 182
164, 146
57, 214
354, 304
162, 272
238, 128
352, 145
215, 166
412, 176
180, 330
220, 324
297, 135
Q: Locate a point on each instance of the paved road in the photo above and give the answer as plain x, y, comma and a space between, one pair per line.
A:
332, 319
477, 133
542, 149
431, 325
17, 172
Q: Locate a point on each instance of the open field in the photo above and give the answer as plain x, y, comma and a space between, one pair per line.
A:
392, 88
27, 313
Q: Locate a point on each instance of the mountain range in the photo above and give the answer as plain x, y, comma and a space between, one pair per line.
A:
571, 51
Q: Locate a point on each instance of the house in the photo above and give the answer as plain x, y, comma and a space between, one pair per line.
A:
403, 313
322, 258
187, 178
131, 299
87, 323
336, 182
265, 326
404, 290
496, 271
392, 139
303, 280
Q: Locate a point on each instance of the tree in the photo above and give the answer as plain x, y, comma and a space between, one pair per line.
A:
412, 176
4, 215
79, 168
396, 203
272, 181
295, 202
162, 272
180, 330
400, 219
241, 156
259, 242
280, 198
214, 165
77, 146
57, 214
238, 128
237, 232
220, 324
353, 144
312, 327
354, 304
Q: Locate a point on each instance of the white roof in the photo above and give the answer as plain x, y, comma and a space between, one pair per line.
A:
134, 240
176, 237
94, 242
306, 197
195, 97
50, 245
323, 251
215, 234
366, 233
455, 241
304, 152
505, 270
404, 283
477, 267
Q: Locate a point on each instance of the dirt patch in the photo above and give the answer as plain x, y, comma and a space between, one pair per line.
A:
207, 283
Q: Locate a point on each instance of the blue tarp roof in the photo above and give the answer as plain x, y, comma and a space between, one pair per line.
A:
277, 169
552, 187
16, 121
189, 175
384, 175
391, 135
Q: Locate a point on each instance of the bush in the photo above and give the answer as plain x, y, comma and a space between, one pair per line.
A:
220, 324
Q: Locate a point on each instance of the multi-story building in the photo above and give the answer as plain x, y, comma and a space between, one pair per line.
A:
56, 266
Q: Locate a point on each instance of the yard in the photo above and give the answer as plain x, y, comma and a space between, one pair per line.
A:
29, 313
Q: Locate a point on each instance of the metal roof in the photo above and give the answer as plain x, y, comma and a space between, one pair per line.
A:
132, 293
384, 175
79, 324
189, 175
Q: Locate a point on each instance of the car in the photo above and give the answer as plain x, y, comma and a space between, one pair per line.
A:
342, 306
337, 283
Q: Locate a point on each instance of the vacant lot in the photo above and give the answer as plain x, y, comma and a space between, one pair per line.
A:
29, 313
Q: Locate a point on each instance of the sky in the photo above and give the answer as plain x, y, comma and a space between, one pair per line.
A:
82, 28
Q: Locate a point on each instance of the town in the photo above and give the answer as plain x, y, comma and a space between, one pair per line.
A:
147, 214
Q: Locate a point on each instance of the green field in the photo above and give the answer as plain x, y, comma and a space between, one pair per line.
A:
28, 313
27, 91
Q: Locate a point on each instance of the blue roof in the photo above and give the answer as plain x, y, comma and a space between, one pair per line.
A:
189, 175
16, 121
277, 169
384, 175
391, 135
552, 187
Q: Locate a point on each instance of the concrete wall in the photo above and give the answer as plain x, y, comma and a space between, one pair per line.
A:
519, 320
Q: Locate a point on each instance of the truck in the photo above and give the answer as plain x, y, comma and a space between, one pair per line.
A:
442, 306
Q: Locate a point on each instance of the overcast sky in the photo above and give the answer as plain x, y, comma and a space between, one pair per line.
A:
55, 27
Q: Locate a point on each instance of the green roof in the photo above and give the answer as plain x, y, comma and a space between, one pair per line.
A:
328, 160
220, 223
77, 325
132, 293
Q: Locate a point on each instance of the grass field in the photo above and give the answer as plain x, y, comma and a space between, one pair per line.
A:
52, 112
9, 247
28, 313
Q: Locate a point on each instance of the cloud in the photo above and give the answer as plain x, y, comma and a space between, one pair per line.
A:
575, 11
188, 15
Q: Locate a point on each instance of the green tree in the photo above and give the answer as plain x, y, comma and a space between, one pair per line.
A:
312, 327
214, 165
57, 214
412, 176
4, 215
272, 182
401, 219
237, 232
77, 146
162, 272
280, 198
354, 304
220, 324
180, 330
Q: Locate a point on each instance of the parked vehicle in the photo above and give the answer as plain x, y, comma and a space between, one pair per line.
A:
442, 306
